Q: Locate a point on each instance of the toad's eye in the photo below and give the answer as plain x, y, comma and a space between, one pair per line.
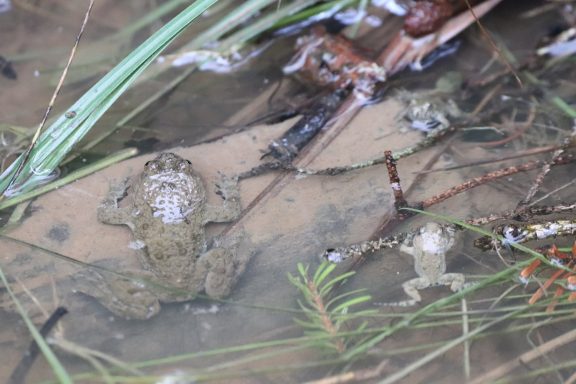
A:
189, 162
152, 165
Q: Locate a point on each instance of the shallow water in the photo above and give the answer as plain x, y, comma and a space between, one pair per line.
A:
288, 220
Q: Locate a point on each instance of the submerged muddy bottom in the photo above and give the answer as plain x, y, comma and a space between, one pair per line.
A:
294, 221
288, 219
291, 224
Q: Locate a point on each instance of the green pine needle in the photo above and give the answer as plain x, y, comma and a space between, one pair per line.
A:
326, 314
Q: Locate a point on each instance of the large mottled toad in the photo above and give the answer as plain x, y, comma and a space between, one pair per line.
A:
167, 212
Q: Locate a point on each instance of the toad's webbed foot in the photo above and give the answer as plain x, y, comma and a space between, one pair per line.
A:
108, 211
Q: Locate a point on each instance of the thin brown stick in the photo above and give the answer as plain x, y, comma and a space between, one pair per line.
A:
571, 379
529, 152
520, 129
54, 96
493, 44
525, 358
388, 222
399, 200
490, 177
486, 99
543, 172
526, 215
353, 376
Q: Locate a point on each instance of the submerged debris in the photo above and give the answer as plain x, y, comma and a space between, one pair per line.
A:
333, 61
425, 17
564, 44
564, 276
517, 233
330, 62
7, 69
293, 140
5, 6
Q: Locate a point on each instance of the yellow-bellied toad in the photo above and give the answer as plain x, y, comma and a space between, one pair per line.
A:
167, 212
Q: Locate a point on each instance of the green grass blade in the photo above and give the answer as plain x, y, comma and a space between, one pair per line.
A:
55, 364
344, 295
59, 138
264, 24
80, 173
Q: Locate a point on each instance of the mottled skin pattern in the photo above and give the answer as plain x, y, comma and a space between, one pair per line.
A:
166, 210
425, 116
427, 113
429, 247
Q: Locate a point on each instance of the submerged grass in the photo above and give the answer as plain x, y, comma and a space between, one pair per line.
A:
85, 171
236, 366
56, 141
511, 314
481, 324
363, 342
328, 314
61, 136
57, 367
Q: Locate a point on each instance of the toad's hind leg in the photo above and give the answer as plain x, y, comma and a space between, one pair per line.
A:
221, 267
127, 295
454, 280
411, 288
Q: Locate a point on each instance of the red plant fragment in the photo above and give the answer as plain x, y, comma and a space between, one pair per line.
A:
425, 17
561, 259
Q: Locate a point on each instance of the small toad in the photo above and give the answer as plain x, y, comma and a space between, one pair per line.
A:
427, 112
167, 212
429, 247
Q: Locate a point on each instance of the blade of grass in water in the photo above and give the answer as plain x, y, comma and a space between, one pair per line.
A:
60, 137
232, 20
80, 173
55, 364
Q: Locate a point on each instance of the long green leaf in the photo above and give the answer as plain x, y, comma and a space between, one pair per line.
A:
57, 367
59, 138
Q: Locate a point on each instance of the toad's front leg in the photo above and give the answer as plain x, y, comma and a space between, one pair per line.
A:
108, 211
231, 208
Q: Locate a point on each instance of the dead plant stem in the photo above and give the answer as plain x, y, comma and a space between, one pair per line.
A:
472, 183
54, 96
326, 321
493, 44
525, 358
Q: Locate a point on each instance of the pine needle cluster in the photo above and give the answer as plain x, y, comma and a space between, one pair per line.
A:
329, 316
